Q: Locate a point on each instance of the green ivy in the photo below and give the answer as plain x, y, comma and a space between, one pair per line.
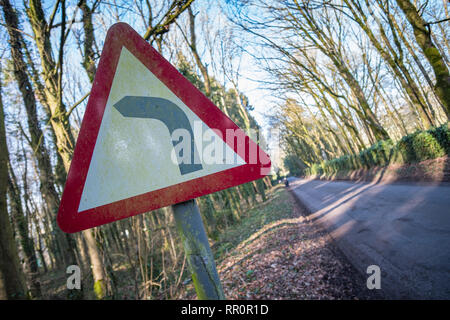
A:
415, 147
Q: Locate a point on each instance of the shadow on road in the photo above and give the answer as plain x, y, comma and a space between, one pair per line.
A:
403, 228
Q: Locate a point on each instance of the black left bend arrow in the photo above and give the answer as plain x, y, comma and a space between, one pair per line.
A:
168, 113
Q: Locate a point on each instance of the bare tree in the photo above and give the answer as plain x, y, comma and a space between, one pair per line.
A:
423, 37
12, 280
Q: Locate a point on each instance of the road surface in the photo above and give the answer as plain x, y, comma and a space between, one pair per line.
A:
402, 228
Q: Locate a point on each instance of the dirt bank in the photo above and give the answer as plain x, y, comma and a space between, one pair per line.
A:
429, 171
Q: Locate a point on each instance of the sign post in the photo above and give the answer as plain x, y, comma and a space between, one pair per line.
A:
200, 259
150, 139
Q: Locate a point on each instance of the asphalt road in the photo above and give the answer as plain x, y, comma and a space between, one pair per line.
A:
402, 228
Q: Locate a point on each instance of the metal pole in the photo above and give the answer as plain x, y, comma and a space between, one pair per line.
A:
200, 259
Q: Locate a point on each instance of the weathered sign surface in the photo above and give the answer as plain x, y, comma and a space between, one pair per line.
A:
149, 139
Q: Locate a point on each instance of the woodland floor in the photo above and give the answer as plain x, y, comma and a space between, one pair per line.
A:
275, 253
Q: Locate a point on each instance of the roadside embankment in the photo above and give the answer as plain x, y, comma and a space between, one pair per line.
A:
403, 228
428, 171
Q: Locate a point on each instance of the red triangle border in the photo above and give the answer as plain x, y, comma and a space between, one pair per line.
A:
118, 36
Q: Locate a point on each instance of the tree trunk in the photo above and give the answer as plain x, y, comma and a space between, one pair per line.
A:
25, 240
98, 268
193, 46
51, 72
434, 57
395, 63
89, 40
65, 141
331, 49
12, 280
47, 187
96, 265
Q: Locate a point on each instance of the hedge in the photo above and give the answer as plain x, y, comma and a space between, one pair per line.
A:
415, 147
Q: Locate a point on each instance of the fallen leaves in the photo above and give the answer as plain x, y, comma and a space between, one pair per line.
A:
289, 258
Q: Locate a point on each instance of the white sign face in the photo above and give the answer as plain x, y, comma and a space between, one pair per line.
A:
136, 154
149, 139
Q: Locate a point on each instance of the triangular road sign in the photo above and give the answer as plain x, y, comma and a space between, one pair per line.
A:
149, 139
